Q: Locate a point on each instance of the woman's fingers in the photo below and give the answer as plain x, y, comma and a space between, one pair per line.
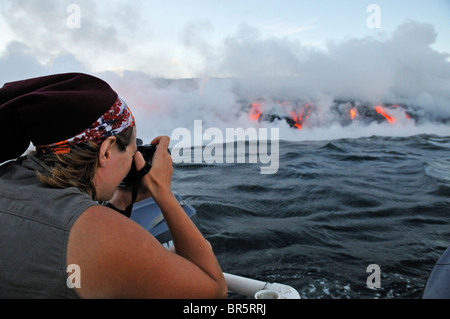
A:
160, 175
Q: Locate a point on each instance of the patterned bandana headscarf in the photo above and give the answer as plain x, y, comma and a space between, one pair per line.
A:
115, 120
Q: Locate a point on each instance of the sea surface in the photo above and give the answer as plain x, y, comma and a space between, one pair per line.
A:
333, 208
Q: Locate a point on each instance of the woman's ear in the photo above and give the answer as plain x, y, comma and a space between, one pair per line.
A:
106, 149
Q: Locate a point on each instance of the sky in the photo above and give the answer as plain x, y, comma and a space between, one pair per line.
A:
192, 38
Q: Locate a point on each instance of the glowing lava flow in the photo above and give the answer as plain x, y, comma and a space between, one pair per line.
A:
380, 110
255, 111
297, 120
302, 116
299, 115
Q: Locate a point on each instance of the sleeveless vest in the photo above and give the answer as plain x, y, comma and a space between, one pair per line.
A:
35, 222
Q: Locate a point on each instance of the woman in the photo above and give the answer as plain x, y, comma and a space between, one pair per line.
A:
50, 217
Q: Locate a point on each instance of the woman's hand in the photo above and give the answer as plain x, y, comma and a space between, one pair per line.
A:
155, 183
159, 179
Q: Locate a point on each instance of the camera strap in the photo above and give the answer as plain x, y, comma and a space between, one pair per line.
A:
144, 171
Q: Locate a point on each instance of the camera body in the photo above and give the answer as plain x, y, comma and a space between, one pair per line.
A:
148, 151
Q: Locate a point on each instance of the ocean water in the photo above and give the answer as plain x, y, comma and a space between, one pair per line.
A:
333, 208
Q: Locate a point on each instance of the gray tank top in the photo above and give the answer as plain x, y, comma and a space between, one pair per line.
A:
35, 222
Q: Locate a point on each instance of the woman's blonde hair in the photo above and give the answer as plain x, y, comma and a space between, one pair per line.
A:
77, 168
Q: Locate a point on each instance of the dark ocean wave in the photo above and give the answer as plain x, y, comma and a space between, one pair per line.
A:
333, 208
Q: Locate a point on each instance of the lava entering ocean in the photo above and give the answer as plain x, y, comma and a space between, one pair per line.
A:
298, 114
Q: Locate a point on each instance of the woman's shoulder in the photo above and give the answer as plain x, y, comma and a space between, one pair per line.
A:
108, 248
23, 195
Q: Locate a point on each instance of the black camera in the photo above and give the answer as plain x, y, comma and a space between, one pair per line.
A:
147, 152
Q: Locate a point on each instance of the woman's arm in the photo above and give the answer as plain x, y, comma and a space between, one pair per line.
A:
120, 259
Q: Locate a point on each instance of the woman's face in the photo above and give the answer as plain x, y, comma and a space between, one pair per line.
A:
114, 168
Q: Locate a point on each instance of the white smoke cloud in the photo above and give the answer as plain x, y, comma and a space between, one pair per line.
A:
246, 54
402, 68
